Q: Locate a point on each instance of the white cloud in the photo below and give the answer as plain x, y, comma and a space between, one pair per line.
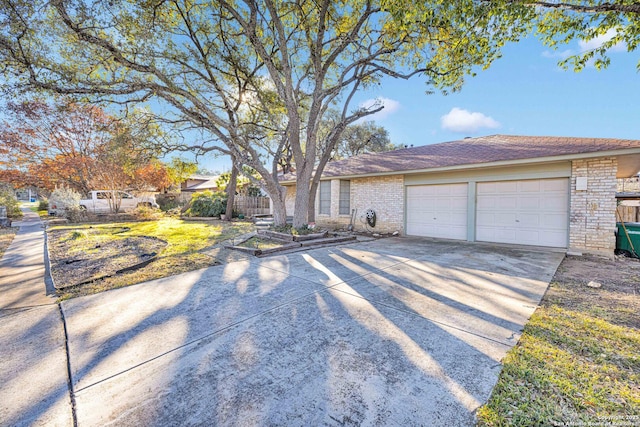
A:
390, 107
555, 54
463, 121
595, 43
586, 46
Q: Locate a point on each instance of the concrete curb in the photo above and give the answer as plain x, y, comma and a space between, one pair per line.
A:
48, 277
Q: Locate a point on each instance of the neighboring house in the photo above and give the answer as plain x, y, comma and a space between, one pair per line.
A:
27, 194
197, 183
542, 191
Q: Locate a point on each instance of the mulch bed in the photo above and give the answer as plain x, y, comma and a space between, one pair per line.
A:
75, 262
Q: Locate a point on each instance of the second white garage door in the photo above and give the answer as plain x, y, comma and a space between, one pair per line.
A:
531, 212
437, 211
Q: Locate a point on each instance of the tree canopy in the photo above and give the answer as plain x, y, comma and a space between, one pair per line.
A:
256, 76
599, 25
362, 138
62, 143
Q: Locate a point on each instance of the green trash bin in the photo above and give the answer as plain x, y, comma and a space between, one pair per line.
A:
622, 242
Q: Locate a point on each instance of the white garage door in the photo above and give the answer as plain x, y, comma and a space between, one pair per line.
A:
531, 212
437, 211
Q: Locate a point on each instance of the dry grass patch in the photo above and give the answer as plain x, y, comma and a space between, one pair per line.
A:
6, 237
578, 361
261, 243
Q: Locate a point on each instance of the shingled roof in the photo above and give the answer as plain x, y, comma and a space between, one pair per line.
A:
472, 151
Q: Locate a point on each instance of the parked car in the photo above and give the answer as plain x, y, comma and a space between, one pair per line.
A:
103, 201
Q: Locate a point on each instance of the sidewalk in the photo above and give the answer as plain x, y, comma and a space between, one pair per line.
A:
33, 362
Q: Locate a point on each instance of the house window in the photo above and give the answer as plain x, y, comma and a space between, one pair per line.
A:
345, 198
325, 197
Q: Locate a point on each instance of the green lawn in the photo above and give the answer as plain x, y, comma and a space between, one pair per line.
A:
578, 360
188, 247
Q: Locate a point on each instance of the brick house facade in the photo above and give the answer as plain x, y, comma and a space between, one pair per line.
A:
593, 210
586, 168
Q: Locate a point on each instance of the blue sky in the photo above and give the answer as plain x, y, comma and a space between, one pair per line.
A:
522, 93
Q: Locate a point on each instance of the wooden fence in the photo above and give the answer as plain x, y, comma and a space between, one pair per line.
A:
628, 213
250, 206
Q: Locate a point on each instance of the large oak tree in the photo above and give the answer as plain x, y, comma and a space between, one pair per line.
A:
256, 76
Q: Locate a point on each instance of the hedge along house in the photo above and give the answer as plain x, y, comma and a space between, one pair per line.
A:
541, 191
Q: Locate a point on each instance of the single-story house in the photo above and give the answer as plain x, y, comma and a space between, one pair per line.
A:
197, 183
529, 190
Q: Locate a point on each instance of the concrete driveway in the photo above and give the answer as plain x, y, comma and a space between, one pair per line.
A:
396, 331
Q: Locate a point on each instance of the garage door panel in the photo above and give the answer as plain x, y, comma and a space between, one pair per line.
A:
557, 222
550, 185
442, 204
528, 220
505, 202
457, 218
485, 218
460, 204
528, 237
539, 216
556, 203
503, 218
528, 203
506, 187
528, 186
486, 202
495, 234
437, 211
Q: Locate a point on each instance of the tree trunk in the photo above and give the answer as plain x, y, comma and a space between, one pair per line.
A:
231, 190
313, 190
303, 178
315, 182
279, 206
277, 193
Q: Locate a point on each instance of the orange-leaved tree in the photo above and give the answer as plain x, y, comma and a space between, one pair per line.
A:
58, 143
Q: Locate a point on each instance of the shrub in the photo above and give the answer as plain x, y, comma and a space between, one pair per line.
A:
63, 198
146, 213
289, 229
302, 230
78, 235
66, 201
169, 201
208, 204
75, 214
43, 205
8, 200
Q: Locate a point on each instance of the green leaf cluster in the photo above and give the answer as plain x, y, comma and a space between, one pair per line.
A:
208, 204
8, 200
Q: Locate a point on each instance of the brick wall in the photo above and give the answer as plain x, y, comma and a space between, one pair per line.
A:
290, 199
593, 211
385, 195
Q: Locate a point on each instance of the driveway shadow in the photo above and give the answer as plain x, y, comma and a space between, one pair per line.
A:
359, 335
